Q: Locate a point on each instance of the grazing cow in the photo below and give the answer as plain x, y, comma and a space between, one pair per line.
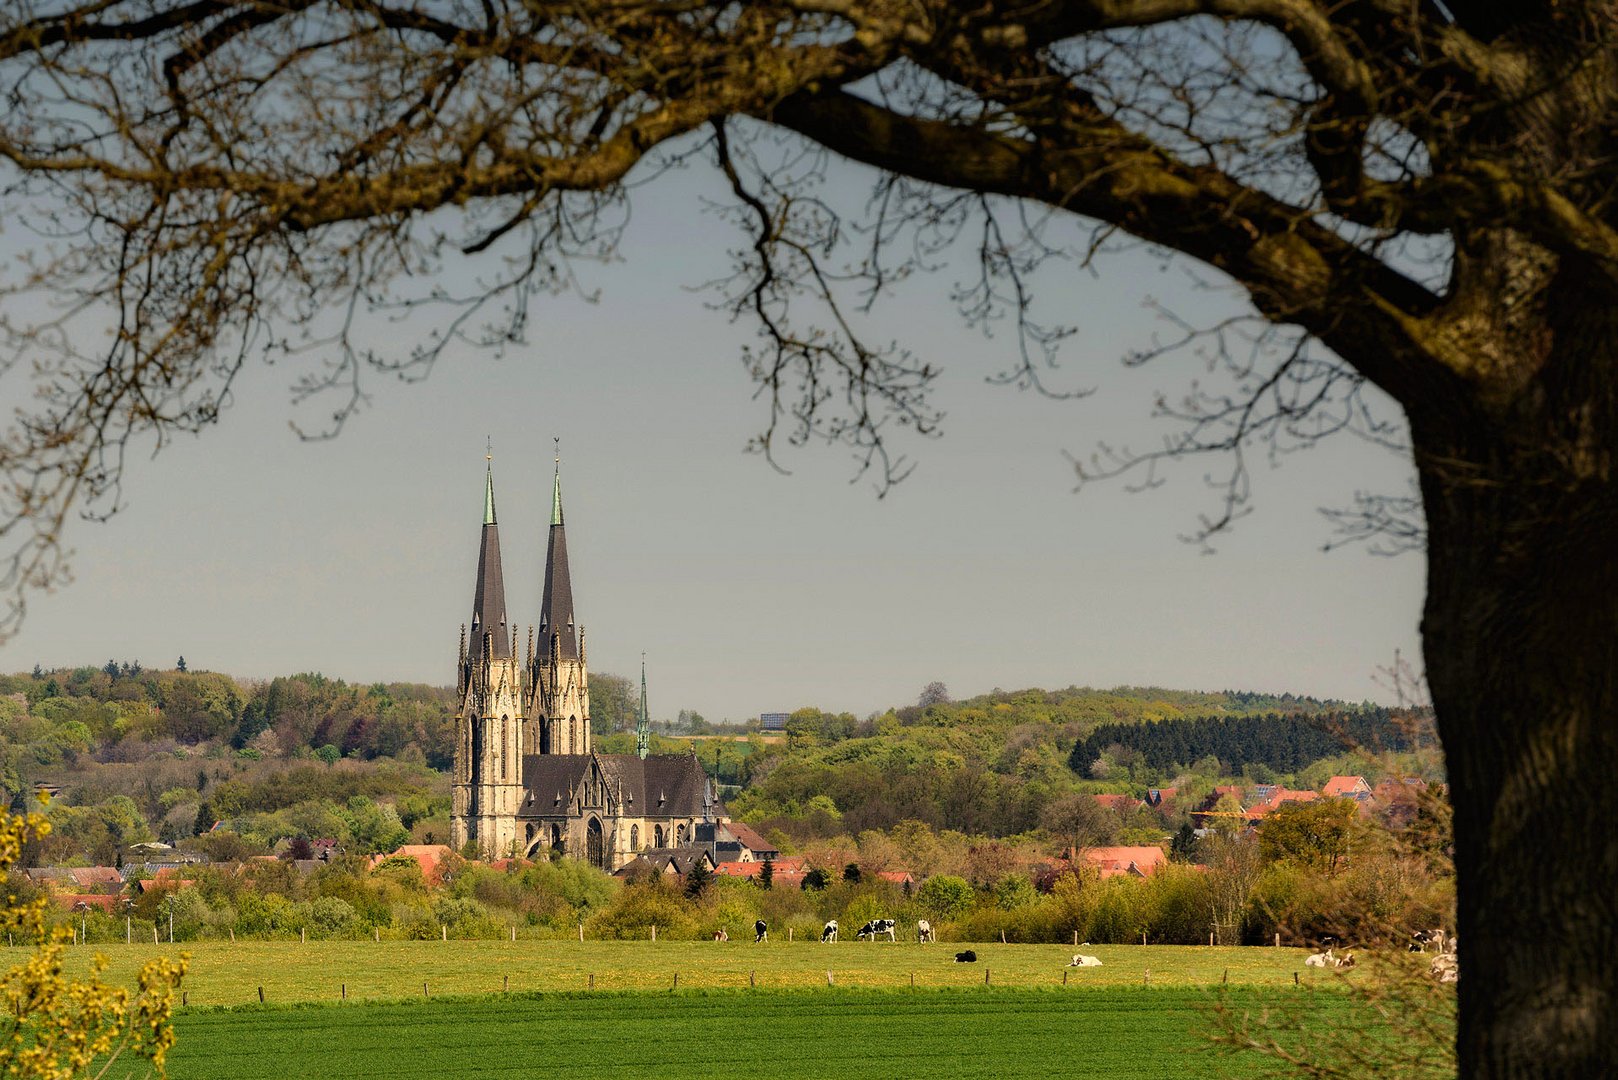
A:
1080, 960
828, 933
877, 927
1344, 961
1423, 938
967, 957
924, 932
761, 931
720, 935
1320, 960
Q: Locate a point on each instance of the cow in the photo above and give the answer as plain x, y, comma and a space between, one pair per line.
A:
1423, 938
761, 931
1320, 960
875, 928
1446, 968
967, 957
1345, 961
720, 935
924, 932
828, 933
1080, 960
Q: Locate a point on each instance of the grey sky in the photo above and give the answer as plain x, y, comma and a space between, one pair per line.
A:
253, 553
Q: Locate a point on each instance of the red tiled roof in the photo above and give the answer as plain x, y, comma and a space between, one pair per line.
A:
1343, 786
427, 856
1117, 802
749, 838
898, 877
751, 870
1111, 861
105, 902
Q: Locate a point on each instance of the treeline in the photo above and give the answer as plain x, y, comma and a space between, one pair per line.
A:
1283, 743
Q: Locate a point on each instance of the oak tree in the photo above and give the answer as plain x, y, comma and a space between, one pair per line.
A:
1414, 195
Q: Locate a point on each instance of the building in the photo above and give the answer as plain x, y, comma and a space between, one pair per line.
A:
527, 777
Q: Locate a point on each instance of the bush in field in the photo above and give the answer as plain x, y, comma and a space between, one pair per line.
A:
1014, 891
329, 917
643, 905
946, 897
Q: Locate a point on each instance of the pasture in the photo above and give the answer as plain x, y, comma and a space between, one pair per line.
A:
225, 973
965, 1033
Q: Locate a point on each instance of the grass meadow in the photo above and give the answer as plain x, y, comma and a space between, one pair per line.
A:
224, 973
356, 1009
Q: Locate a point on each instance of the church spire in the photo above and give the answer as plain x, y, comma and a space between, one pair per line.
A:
556, 609
489, 599
642, 726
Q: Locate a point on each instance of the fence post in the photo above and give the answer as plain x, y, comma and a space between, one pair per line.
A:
376, 931
1148, 977
1294, 978
912, 980
424, 990
233, 935
344, 991
828, 979
592, 980
581, 933
985, 976
676, 980
261, 995
1075, 939
789, 935
443, 931
185, 997
1064, 976
752, 978
1278, 939
154, 933
129, 931
1143, 937
1210, 937
1226, 980
505, 985
303, 936
514, 932
654, 932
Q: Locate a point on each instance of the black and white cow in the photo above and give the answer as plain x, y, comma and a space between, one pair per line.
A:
761, 931
967, 957
829, 931
876, 928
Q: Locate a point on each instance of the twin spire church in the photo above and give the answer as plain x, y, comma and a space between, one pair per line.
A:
527, 776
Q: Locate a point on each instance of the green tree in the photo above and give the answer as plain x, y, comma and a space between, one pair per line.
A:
1316, 833
766, 874
945, 896
816, 880
697, 879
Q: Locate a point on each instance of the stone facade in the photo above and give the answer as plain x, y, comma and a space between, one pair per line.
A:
527, 780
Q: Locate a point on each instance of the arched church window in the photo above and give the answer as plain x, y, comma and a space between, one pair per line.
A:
658, 836
505, 744
573, 734
634, 838
680, 833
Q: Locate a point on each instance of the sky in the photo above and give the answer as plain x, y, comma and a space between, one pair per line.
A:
251, 552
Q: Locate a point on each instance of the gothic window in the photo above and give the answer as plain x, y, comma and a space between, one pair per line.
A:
680, 833
658, 834
595, 848
634, 838
573, 734
505, 744
556, 837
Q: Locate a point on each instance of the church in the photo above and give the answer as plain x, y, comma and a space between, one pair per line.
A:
527, 778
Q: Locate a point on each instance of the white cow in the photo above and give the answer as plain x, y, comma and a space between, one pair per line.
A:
924, 932
1320, 960
1080, 960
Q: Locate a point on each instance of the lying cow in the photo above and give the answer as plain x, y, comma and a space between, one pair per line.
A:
924, 932
828, 933
720, 935
967, 957
877, 927
761, 931
1080, 960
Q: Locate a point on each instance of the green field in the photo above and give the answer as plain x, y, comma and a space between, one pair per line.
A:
990, 1033
323, 971
703, 1009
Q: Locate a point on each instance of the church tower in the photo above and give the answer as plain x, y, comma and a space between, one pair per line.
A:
559, 688
487, 787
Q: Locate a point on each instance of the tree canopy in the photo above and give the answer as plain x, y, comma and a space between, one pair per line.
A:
1413, 195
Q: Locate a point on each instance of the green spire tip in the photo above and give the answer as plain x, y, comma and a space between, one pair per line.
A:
488, 491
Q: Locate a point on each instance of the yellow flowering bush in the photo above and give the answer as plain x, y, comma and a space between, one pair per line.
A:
56, 1028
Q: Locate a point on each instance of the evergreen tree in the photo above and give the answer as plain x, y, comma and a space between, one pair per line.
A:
1184, 846
815, 880
697, 879
766, 874
39, 672
180, 665
851, 873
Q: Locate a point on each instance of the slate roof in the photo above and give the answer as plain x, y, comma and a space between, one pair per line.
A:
556, 609
660, 785
674, 860
489, 599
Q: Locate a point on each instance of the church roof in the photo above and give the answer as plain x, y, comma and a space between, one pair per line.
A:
489, 598
660, 785
556, 609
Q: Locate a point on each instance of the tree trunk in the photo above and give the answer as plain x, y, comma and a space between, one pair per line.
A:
1521, 638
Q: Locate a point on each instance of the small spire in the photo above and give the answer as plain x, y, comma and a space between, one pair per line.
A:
488, 487
642, 725
556, 486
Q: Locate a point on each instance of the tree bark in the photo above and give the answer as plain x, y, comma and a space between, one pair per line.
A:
1521, 638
